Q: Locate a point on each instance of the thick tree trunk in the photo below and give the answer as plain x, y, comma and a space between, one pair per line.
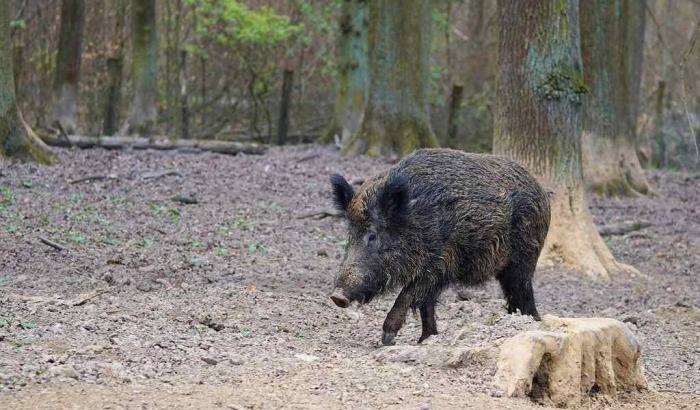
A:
612, 37
113, 95
396, 119
353, 71
660, 157
184, 103
68, 57
285, 103
144, 67
538, 123
16, 138
115, 69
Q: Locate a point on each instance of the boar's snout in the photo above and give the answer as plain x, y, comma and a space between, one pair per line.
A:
339, 298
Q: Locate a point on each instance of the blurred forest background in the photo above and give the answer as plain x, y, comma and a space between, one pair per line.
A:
271, 71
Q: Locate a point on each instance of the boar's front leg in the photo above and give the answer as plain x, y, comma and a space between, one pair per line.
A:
396, 316
427, 318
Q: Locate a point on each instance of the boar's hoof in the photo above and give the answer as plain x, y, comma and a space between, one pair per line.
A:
426, 335
388, 338
340, 300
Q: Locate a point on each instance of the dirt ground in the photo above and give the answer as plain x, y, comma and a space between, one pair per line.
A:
224, 303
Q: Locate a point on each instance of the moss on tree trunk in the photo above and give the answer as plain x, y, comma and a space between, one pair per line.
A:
353, 77
538, 123
16, 139
396, 119
144, 67
612, 39
65, 86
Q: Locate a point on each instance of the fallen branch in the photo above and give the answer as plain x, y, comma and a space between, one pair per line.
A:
92, 178
159, 174
318, 215
121, 142
83, 298
52, 244
622, 228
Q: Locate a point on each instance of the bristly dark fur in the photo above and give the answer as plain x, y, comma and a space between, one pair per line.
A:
442, 217
342, 192
393, 199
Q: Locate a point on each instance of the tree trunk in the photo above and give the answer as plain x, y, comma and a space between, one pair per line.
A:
285, 102
353, 78
454, 113
144, 67
68, 57
16, 138
184, 104
660, 160
538, 123
113, 95
396, 119
612, 37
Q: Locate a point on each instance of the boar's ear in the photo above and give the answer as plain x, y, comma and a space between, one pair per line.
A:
393, 199
342, 192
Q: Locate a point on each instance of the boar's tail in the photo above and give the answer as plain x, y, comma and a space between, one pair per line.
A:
529, 218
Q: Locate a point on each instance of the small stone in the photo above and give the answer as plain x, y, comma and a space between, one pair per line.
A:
199, 261
185, 199
65, 370
306, 357
353, 314
631, 319
209, 360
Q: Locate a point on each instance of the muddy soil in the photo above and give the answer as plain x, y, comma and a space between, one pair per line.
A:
156, 303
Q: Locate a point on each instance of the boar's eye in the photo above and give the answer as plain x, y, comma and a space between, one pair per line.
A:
371, 237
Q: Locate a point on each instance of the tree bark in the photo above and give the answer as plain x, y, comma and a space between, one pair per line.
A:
396, 119
184, 103
113, 95
454, 113
68, 58
612, 40
285, 102
16, 138
353, 76
144, 67
538, 123
660, 157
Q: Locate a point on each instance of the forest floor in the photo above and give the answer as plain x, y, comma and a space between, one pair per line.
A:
224, 303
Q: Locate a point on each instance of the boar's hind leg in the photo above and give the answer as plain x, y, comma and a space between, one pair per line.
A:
516, 282
396, 316
427, 318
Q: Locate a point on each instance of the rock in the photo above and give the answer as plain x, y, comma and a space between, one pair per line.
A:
353, 314
570, 359
631, 319
209, 360
199, 261
64, 370
463, 356
434, 355
306, 357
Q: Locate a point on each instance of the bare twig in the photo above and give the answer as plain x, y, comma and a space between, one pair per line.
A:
622, 228
321, 215
83, 298
309, 157
159, 174
52, 244
94, 178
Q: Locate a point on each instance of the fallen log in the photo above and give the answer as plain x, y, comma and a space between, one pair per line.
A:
622, 228
122, 142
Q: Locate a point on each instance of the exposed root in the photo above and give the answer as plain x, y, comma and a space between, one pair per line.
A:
573, 240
